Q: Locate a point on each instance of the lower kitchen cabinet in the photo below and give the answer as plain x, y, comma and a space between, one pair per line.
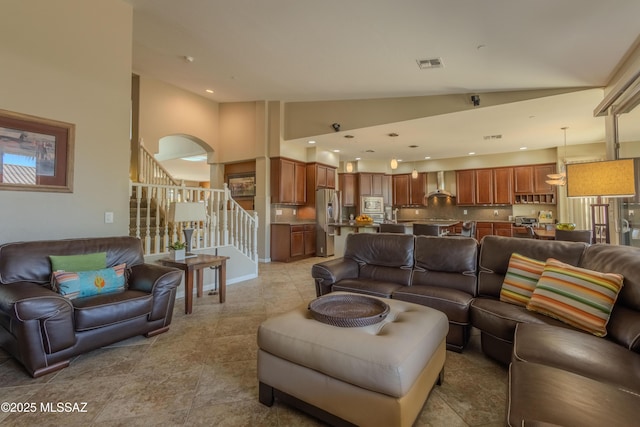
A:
292, 241
483, 229
502, 229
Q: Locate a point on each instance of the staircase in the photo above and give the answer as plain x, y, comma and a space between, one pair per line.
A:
227, 223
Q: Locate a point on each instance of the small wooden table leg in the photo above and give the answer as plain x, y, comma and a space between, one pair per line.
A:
200, 275
188, 291
222, 275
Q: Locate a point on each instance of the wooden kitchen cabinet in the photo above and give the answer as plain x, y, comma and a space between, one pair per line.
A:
400, 190
484, 187
408, 191
347, 186
502, 229
530, 186
483, 229
292, 241
318, 176
466, 187
503, 186
387, 189
288, 181
370, 184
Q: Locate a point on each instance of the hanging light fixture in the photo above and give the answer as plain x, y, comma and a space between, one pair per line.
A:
349, 167
394, 163
414, 172
560, 178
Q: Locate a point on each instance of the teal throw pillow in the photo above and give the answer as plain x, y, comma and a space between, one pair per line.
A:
84, 262
89, 283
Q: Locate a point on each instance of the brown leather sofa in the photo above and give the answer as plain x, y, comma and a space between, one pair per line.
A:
44, 330
438, 272
559, 375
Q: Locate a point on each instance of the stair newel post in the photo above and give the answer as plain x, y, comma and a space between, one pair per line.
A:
164, 202
138, 202
156, 214
225, 219
255, 237
147, 238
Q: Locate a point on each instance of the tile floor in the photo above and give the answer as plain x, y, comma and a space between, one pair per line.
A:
203, 371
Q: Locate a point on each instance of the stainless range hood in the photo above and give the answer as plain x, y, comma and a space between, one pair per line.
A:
441, 190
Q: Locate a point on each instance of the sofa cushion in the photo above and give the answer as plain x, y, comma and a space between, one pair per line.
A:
495, 252
452, 302
382, 257
88, 283
578, 352
555, 396
577, 296
521, 279
377, 288
499, 318
102, 310
82, 262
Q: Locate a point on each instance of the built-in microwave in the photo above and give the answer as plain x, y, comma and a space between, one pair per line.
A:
371, 205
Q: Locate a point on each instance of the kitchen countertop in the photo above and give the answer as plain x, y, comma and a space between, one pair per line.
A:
293, 223
355, 224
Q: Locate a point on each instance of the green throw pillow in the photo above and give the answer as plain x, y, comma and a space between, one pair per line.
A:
85, 262
88, 283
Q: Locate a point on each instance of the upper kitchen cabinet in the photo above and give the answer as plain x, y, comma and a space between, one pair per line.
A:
484, 187
530, 184
387, 189
466, 187
503, 186
288, 181
371, 184
319, 176
408, 191
347, 187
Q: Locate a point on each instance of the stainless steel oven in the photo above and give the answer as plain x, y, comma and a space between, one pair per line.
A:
372, 206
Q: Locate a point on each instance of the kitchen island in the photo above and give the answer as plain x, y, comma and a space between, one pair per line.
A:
342, 229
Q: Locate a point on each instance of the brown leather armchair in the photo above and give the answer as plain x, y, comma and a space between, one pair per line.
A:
44, 330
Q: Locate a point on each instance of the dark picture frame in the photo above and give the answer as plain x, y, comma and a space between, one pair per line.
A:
242, 185
36, 154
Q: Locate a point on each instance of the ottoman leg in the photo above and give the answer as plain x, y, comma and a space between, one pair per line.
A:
440, 377
265, 394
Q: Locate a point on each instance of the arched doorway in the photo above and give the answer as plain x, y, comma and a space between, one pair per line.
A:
185, 158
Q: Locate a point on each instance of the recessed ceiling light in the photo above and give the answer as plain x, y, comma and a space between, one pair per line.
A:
413, 146
399, 160
471, 153
393, 134
336, 151
358, 158
427, 157
369, 151
209, 91
523, 148
312, 142
348, 136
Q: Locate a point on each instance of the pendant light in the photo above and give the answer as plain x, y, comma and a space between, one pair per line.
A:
394, 163
414, 172
349, 167
560, 179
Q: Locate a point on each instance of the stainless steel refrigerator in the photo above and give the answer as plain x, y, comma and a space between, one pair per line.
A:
328, 211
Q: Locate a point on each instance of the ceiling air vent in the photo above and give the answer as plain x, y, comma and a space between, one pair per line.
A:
490, 137
426, 64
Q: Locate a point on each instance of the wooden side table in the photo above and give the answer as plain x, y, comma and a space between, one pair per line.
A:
197, 264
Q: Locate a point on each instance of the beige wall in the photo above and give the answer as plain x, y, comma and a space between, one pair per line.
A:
167, 110
60, 62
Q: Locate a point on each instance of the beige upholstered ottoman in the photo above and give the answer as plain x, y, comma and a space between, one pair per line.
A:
377, 375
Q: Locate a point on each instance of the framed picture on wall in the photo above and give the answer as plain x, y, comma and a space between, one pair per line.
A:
242, 185
36, 154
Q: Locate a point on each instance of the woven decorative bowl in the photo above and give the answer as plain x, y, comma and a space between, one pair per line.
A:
348, 311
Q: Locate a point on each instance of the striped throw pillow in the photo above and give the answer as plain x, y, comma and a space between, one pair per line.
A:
521, 279
579, 297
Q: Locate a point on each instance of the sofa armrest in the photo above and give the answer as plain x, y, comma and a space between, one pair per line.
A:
43, 319
31, 301
160, 281
152, 278
329, 272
